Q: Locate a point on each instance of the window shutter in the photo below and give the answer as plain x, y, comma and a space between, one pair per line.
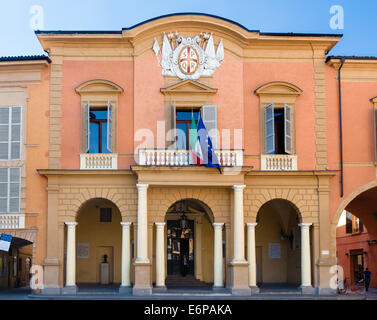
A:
87, 128
269, 124
109, 127
4, 133
348, 222
288, 129
14, 189
361, 226
15, 150
209, 114
3, 190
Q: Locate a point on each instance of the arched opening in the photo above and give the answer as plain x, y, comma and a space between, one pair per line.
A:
189, 245
356, 240
15, 263
278, 246
98, 245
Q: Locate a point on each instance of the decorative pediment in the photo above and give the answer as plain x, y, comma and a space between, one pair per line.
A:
188, 87
98, 86
278, 88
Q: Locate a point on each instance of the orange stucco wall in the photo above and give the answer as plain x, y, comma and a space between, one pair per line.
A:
347, 242
77, 72
37, 139
358, 135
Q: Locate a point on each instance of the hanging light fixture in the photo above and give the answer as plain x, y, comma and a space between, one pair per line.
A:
183, 221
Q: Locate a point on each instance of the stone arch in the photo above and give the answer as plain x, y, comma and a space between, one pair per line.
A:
335, 219
206, 208
83, 195
290, 203
294, 196
217, 200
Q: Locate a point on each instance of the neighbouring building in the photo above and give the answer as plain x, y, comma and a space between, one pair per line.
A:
356, 250
109, 192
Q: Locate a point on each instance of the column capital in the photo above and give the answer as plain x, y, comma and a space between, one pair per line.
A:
305, 224
251, 225
160, 224
126, 224
217, 225
238, 187
71, 224
142, 186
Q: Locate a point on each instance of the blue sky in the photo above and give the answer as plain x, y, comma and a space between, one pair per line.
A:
360, 28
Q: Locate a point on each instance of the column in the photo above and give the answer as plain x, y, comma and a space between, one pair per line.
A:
126, 258
251, 257
239, 238
306, 283
239, 266
218, 255
142, 264
142, 224
70, 286
160, 256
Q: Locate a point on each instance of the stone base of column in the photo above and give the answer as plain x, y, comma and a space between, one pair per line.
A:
69, 290
142, 286
307, 290
254, 290
51, 277
125, 289
239, 278
159, 289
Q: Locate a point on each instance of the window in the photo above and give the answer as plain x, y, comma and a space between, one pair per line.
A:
10, 184
105, 215
182, 122
98, 129
353, 224
184, 119
278, 129
10, 133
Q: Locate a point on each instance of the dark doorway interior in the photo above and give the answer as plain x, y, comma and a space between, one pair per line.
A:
180, 244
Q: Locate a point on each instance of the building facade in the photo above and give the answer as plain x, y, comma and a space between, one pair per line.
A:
356, 250
115, 193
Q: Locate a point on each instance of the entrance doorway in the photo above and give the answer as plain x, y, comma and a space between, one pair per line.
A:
180, 245
357, 265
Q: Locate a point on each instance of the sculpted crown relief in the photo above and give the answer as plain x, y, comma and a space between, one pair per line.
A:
188, 58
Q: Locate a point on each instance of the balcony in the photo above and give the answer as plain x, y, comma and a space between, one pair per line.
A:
98, 161
12, 221
165, 157
278, 162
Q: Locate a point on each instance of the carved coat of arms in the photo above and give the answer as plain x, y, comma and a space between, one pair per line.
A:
188, 58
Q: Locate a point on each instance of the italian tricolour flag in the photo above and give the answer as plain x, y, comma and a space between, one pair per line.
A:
196, 151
